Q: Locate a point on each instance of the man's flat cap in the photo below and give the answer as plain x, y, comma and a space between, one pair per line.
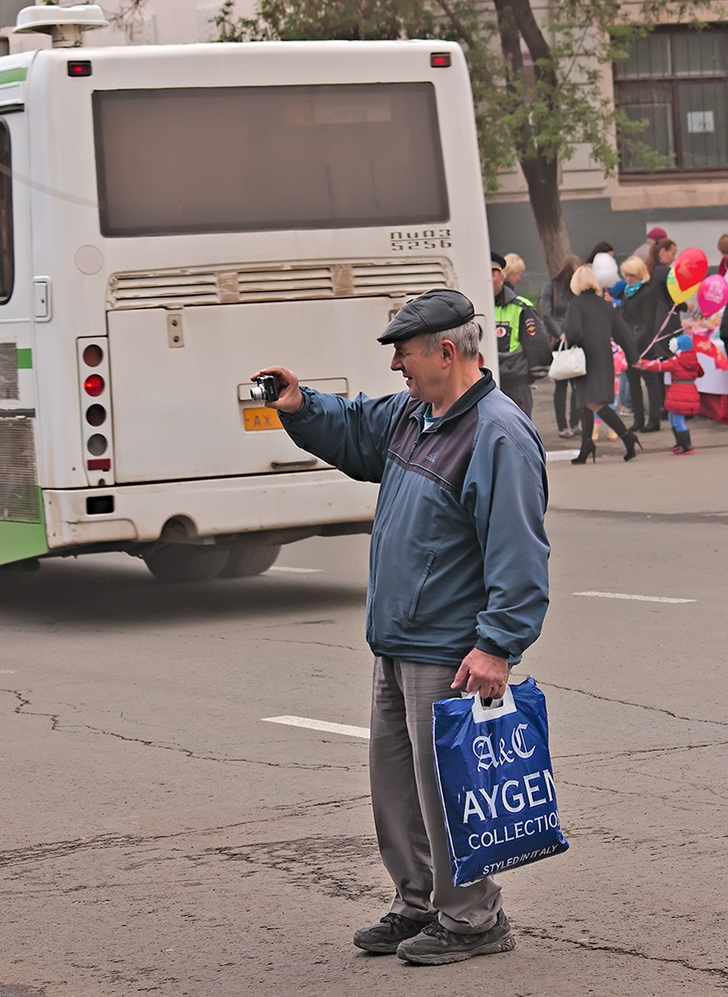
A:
496, 260
433, 311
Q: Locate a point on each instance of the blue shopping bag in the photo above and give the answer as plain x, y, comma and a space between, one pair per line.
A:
496, 782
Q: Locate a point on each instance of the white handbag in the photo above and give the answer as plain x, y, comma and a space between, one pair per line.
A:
568, 362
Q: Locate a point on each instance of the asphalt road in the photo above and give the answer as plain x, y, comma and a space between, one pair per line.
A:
160, 836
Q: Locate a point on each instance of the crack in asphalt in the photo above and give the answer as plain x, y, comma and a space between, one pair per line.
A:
715, 973
187, 752
604, 756
626, 702
315, 643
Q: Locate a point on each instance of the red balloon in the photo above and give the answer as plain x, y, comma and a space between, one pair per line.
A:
690, 267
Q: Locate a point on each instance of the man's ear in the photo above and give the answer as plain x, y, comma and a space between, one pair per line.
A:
448, 350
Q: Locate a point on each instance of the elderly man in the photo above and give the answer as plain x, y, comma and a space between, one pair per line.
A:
457, 591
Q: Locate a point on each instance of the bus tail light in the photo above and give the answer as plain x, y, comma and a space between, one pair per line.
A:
440, 60
96, 415
93, 355
94, 382
94, 385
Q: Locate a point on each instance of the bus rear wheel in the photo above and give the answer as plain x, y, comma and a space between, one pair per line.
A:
176, 563
247, 559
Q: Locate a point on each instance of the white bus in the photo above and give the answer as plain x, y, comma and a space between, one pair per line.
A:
172, 219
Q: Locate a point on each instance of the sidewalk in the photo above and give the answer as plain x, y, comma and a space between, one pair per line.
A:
704, 432
656, 483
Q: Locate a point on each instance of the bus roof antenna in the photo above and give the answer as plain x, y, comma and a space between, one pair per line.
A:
64, 24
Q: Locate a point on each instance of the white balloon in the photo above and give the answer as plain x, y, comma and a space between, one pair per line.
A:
605, 269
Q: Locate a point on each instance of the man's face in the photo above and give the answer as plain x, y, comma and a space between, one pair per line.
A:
422, 374
498, 280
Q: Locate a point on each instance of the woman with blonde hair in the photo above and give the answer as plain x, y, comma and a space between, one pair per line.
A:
514, 269
637, 308
592, 323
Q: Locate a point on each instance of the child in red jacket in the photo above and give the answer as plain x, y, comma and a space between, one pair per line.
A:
682, 396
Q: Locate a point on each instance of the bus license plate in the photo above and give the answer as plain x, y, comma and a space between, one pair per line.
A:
261, 418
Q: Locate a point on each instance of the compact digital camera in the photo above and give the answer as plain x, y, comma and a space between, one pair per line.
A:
266, 389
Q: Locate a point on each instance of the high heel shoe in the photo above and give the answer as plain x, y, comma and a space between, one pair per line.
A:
629, 439
587, 447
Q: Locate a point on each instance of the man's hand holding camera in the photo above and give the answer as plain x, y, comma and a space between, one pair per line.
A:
282, 393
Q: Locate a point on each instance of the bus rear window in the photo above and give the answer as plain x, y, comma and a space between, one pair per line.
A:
237, 159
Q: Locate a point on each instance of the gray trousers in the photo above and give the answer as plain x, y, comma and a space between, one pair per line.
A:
407, 810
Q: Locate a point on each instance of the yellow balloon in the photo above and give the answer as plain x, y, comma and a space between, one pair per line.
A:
676, 292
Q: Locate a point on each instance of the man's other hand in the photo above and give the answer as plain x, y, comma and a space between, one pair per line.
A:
482, 673
290, 398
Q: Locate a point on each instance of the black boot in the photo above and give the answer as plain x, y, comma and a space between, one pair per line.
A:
587, 443
610, 418
678, 444
685, 445
630, 441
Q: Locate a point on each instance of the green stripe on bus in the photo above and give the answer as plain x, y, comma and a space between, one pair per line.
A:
19, 541
25, 359
13, 75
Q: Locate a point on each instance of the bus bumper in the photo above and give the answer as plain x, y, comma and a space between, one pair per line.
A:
209, 508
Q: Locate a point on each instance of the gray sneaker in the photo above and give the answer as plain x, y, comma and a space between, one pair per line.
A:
386, 936
435, 945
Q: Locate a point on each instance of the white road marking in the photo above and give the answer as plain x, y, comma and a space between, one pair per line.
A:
7, 671
296, 571
637, 598
320, 725
555, 455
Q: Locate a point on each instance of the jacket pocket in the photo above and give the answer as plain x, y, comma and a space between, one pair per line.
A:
412, 612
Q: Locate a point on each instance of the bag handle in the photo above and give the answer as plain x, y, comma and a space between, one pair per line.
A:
497, 707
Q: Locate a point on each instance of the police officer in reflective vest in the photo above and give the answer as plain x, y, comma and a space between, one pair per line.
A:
524, 354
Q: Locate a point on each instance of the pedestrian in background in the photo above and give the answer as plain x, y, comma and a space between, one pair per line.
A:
682, 396
556, 295
637, 308
653, 236
662, 256
592, 323
524, 354
601, 247
514, 270
723, 250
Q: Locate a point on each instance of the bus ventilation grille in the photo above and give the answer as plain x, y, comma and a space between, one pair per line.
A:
8, 371
278, 282
19, 500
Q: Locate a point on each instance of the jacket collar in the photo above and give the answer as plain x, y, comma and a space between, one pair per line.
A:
505, 296
472, 396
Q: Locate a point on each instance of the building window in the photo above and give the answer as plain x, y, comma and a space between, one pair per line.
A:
676, 79
7, 260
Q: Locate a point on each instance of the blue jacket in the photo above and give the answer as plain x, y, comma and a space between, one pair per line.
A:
459, 554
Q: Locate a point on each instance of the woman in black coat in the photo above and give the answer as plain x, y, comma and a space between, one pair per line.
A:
556, 295
637, 308
592, 323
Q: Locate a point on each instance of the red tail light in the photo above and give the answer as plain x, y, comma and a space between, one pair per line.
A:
94, 384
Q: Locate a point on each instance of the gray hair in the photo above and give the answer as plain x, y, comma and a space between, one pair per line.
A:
465, 337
